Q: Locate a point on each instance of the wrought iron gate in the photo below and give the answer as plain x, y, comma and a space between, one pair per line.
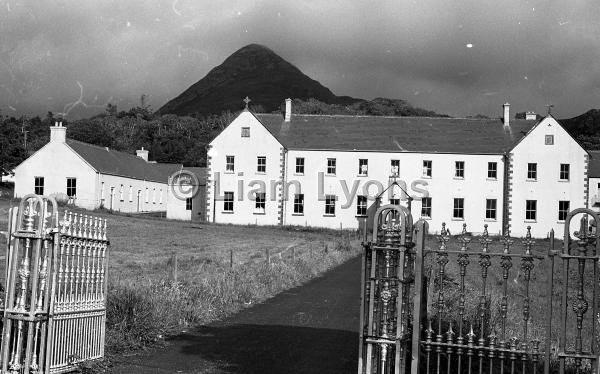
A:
54, 306
476, 310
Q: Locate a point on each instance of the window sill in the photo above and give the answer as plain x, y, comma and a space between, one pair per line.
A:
530, 180
425, 218
490, 220
457, 219
229, 172
459, 178
261, 173
361, 216
259, 213
530, 221
299, 174
560, 222
298, 214
328, 215
563, 180
426, 176
362, 175
227, 212
491, 179
394, 175
330, 175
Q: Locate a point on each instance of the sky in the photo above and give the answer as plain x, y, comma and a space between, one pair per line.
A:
460, 58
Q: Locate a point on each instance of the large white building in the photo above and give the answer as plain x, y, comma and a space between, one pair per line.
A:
325, 171
93, 176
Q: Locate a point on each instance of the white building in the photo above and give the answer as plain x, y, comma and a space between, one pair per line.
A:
186, 196
93, 176
503, 173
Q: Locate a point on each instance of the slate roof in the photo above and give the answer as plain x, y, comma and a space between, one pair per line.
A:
594, 166
109, 161
396, 134
199, 172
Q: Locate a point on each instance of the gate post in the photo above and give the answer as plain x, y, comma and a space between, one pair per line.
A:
421, 232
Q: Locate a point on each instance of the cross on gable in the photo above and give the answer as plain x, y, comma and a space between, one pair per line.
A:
247, 101
550, 106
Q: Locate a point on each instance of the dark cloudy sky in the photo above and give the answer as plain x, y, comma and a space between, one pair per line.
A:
457, 57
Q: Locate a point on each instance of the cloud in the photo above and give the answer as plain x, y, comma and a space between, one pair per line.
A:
365, 49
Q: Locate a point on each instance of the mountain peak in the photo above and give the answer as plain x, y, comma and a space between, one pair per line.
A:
255, 71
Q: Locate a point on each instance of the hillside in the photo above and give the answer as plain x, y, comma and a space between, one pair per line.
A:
253, 71
258, 72
585, 128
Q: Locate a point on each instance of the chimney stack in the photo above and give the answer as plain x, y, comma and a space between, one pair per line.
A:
506, 118
58, 133
288, 110
142, 153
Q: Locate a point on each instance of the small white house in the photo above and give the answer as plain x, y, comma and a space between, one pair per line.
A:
93, 176
324, 171
186, 194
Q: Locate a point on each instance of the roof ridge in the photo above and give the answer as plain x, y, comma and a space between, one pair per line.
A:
390, 117
101, 147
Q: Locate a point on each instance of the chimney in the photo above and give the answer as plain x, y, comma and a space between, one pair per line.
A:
288, 110
506, 118
530, 116
142, 153
58, 133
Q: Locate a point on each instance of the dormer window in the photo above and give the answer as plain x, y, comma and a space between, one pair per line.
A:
363, 166
245, 132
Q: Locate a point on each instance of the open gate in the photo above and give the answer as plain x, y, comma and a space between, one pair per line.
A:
55, 298
488, 304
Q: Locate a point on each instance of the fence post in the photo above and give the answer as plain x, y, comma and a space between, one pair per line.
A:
421, 229
293, 254
268, 256
231, 258
174, 270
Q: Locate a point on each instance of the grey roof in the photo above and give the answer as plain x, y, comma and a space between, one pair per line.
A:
396, 134
109, 161
198, 172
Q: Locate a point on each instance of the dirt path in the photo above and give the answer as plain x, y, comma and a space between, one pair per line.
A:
308, 329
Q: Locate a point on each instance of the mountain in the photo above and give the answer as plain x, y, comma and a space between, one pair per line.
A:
585, 128
254, 71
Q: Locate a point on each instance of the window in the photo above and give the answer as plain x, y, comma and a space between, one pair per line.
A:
331, 166
259, 200
71, 187
102, 191
563, 210
361, 205
549, 139
154, 196
160, 196
363, 166
188, 203
532, 171
261, 164
299, 203
147, 195
245, 132
490, 208
121, 193
492, 170
330, 205
427, 166
530, 210
395, 168
38, 185
564, 172
229, 164
228, 202
459, 171
395, 201
426, 207
130, 193
459, 208
299, 165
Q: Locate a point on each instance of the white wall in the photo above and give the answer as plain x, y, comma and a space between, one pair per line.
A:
594, 194
442, 187
548, 189
176, 202
131, 203
56, 162
245, 150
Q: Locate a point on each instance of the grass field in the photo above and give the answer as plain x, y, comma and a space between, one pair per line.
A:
145, 304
